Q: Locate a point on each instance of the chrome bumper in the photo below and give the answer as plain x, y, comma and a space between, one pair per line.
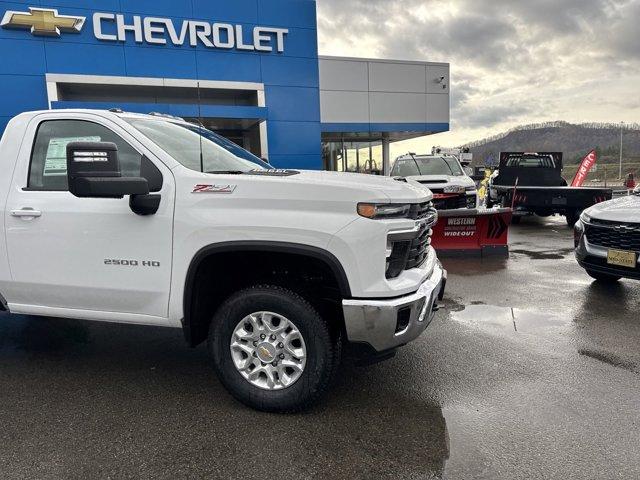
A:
375, 321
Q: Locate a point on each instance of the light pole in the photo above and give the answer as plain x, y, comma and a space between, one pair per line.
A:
620, 170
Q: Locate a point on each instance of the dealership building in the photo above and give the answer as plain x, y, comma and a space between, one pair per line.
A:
248, 69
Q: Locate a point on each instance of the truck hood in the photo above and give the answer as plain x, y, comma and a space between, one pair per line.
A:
372, 187
439, 181
623, 209
314, 190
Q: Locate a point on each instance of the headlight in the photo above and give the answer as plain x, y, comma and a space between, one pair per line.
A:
585, 217
453, 189
471, 189
385, 210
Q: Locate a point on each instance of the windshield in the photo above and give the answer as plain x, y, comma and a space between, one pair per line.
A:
197, 148
406, 167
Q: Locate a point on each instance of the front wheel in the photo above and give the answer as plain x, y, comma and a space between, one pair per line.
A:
603, 277
272, 350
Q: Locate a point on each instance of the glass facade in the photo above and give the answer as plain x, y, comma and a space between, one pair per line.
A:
349, 155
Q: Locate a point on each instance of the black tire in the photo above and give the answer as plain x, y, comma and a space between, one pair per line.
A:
515, 220
323, 348
603, 277
572, 217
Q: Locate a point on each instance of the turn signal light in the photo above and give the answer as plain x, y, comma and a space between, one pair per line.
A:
383, 210
366, 210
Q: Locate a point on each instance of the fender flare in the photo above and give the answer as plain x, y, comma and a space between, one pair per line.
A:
262, 246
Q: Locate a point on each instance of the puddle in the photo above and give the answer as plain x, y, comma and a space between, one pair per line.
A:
556, 254
452, 304
513, 319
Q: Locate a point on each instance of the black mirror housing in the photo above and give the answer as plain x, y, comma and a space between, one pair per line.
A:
108, 187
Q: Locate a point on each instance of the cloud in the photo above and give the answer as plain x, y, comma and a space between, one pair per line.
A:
512, 61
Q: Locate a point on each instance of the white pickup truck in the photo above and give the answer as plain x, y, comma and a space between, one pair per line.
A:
143, 219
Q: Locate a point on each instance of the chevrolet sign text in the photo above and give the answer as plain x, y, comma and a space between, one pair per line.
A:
113, 27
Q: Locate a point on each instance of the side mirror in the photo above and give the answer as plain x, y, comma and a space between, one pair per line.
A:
468, 171
93, 171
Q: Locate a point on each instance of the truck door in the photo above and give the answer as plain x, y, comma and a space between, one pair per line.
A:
86, 257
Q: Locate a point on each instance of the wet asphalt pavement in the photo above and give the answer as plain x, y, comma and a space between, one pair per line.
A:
530, 371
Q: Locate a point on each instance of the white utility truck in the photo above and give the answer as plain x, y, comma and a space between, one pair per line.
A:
144, 219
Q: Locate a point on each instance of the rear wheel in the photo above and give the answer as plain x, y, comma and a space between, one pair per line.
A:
272, 350
603, 277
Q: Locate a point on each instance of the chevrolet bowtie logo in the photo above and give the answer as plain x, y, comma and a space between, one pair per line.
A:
42, 21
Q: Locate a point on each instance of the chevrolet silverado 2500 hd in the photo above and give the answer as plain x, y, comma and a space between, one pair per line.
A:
607, 239
143, 219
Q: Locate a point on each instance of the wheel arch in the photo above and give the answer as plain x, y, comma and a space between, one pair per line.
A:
190, 320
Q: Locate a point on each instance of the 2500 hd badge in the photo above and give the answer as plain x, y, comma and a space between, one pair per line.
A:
131, 263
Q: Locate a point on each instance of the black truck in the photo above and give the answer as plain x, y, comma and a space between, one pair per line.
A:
533, 184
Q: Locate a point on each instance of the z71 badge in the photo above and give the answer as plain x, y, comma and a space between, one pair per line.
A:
207, 188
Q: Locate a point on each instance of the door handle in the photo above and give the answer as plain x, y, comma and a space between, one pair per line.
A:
26, 212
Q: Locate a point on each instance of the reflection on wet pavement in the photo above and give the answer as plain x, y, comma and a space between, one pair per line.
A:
609, 359
474, 266
134, 401
509, 318
555, 254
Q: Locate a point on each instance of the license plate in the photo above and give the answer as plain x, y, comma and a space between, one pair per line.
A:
621, 258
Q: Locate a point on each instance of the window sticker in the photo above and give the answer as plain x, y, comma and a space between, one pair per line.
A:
55, 162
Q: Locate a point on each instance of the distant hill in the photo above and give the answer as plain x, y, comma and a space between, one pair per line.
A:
574, 140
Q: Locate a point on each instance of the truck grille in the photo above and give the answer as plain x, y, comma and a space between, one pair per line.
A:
418, 248
421, 210
411, 252
450, 203
623, 236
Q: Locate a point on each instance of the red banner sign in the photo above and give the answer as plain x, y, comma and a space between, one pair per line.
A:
587, 163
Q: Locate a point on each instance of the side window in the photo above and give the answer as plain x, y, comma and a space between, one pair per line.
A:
48, 167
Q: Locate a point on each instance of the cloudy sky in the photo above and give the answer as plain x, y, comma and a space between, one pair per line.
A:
512, 61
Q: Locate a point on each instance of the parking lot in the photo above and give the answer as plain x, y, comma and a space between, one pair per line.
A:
529, 371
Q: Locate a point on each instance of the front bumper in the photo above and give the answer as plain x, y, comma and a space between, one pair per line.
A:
388, 323
594, 258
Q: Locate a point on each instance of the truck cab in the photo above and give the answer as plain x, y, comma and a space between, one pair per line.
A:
151, 220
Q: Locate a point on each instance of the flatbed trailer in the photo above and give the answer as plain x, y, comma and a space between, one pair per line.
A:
546, 201
532, 183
